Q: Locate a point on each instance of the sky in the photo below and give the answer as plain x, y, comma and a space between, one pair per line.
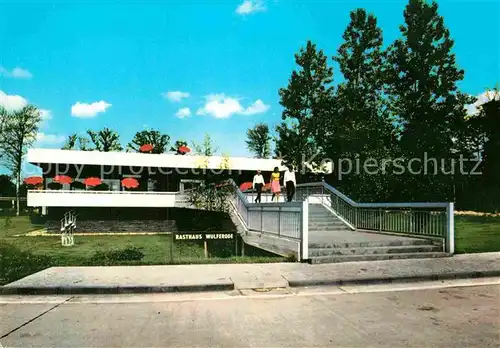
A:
189, 67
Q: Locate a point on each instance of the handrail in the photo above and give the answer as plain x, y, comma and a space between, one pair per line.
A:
374, 205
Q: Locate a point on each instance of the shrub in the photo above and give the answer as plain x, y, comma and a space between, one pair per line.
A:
54, 186
16, 264
108, 257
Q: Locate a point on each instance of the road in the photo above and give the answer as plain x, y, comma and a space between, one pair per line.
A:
444, 314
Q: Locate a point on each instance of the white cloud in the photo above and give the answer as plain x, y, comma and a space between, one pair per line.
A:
256, 108
85, 110
183, 112
12, 102
249, 6
473, 109
17, 73
175, 96
221, 106
43, 138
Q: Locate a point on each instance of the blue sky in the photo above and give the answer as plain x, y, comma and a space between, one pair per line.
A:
103, 63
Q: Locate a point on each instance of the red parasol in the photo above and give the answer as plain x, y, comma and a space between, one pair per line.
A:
246, 186
184, 149
63, 179
146, 148
33, 180
130, 183
93, 181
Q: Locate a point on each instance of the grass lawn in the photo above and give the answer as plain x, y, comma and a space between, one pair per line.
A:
477, 234
156, 248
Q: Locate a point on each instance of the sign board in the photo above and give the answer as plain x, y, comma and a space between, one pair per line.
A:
203, 236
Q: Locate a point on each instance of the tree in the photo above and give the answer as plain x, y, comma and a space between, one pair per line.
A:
258, 141
7, 187
208, 148
153, 137
19, 133
361, 128
76, 142
430, 109
105, 140
307, 103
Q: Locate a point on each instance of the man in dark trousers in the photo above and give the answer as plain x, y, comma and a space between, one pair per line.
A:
290, 183
258, 183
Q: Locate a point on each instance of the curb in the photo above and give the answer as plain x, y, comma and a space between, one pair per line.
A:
388, 280
101, 290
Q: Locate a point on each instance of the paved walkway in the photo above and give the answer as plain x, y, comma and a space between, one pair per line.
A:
359, 236
137, 279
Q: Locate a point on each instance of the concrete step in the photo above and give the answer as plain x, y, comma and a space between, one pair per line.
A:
370, 244
375, 250
375, 257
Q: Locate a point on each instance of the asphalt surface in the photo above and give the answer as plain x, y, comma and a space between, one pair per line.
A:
434, 314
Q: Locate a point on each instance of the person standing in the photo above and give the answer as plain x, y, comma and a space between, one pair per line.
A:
290, 183
275, 184
258, 183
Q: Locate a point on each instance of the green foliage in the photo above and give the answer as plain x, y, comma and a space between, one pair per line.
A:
307, 103
76, 142
423, 82
360, 128
153, 137
7, 187
105, 140
114, 256
16, 264
18, 132
212, 196
258, 141
208, 148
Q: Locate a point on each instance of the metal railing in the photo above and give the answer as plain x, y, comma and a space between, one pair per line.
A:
433, 220
289, 220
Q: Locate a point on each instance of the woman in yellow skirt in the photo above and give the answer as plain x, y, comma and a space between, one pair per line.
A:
275, 184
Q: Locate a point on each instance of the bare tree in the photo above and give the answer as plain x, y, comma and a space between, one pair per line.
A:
18, 133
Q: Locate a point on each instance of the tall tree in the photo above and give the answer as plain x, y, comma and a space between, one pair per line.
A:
19, 133
307, 103
153, 137
76, 142
423, 77
361, 128
258, 140
105, 140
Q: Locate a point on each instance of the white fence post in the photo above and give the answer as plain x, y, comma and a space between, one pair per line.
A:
450, 229
305, 231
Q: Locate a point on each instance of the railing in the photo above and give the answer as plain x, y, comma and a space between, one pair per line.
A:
418, 219
288, 220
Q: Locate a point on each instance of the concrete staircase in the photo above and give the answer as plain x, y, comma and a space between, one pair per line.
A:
330, 240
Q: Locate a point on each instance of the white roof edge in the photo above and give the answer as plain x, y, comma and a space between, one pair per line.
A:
132, 159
